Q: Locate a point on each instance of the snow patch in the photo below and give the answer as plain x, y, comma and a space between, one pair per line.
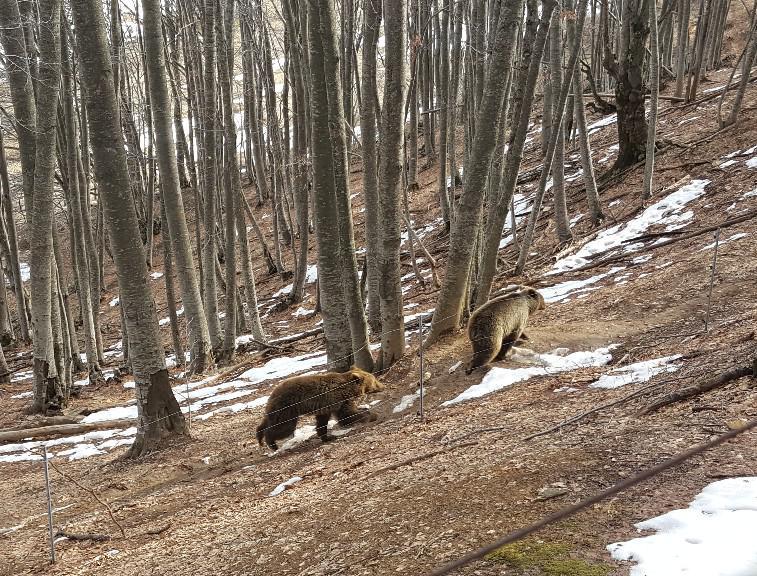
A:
636, 373
714, 536
406, 401
665, 211
562, 291
284, 485
499, 378
738, 236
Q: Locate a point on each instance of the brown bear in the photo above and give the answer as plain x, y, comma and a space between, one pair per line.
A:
498, 325
321, 395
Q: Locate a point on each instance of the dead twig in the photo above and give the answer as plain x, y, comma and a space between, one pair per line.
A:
159, 530
83, 537
92, 493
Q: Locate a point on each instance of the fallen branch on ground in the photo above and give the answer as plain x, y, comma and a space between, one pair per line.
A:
61, 430
83, 537
701, 388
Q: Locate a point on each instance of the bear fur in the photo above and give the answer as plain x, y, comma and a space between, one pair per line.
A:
323, 395
498, 325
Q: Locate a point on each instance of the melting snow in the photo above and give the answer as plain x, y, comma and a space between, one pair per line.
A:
23, 395
738, 236
498, 378
156, 275
714, 536
284, 485
406, 401
636, 373
606, 121
752, 162
114, 302
665, 211
560, 292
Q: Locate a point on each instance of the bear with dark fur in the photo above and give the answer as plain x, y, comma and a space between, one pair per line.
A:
323, 395
498, 325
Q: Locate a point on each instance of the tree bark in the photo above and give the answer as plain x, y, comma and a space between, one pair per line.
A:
159, 416
468, 217
209, 175
654, 82
177, 232
368, 112
332, 298
346, 242
390, 180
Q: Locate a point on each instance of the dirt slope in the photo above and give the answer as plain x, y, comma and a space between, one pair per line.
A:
358, 509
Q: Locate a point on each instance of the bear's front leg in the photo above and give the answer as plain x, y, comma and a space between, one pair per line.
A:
322, 427
349, 414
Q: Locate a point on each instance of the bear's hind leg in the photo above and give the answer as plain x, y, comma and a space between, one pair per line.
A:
279, 431
322, 427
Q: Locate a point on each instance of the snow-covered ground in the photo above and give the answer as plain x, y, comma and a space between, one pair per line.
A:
636, 373
499, 378
714, 536
195, 397
668, 211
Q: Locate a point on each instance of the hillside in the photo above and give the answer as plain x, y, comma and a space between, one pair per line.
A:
403, 494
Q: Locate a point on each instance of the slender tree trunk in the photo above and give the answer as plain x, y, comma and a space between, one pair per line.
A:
10, 224
390, 179
373, 219
72, 160
177, 231
468, 216
654, 82
558, 166
590, 182
159, 416
45, 373
209, 217
168, 276
233, 183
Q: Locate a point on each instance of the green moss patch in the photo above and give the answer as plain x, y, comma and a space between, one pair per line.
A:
548, 558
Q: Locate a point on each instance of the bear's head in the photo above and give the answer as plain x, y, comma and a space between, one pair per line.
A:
369, 384
537, 300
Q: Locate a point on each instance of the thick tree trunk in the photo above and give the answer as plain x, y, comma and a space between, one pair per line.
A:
330, 273
159, 415
628, 71
468, 217
350, 283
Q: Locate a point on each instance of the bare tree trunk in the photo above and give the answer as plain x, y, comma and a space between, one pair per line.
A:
335, 325
390, 179
469, 212
72, 160
373, 219
10, 224
45, 373
559, 110
253, 317
590, 182
209, 217
159, 415
350, 282
177, 232
654, 81
233, 183
558, 165
627, 70
17, 64
168, 276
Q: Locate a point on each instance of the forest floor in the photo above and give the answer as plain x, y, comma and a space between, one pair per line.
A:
361, 505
